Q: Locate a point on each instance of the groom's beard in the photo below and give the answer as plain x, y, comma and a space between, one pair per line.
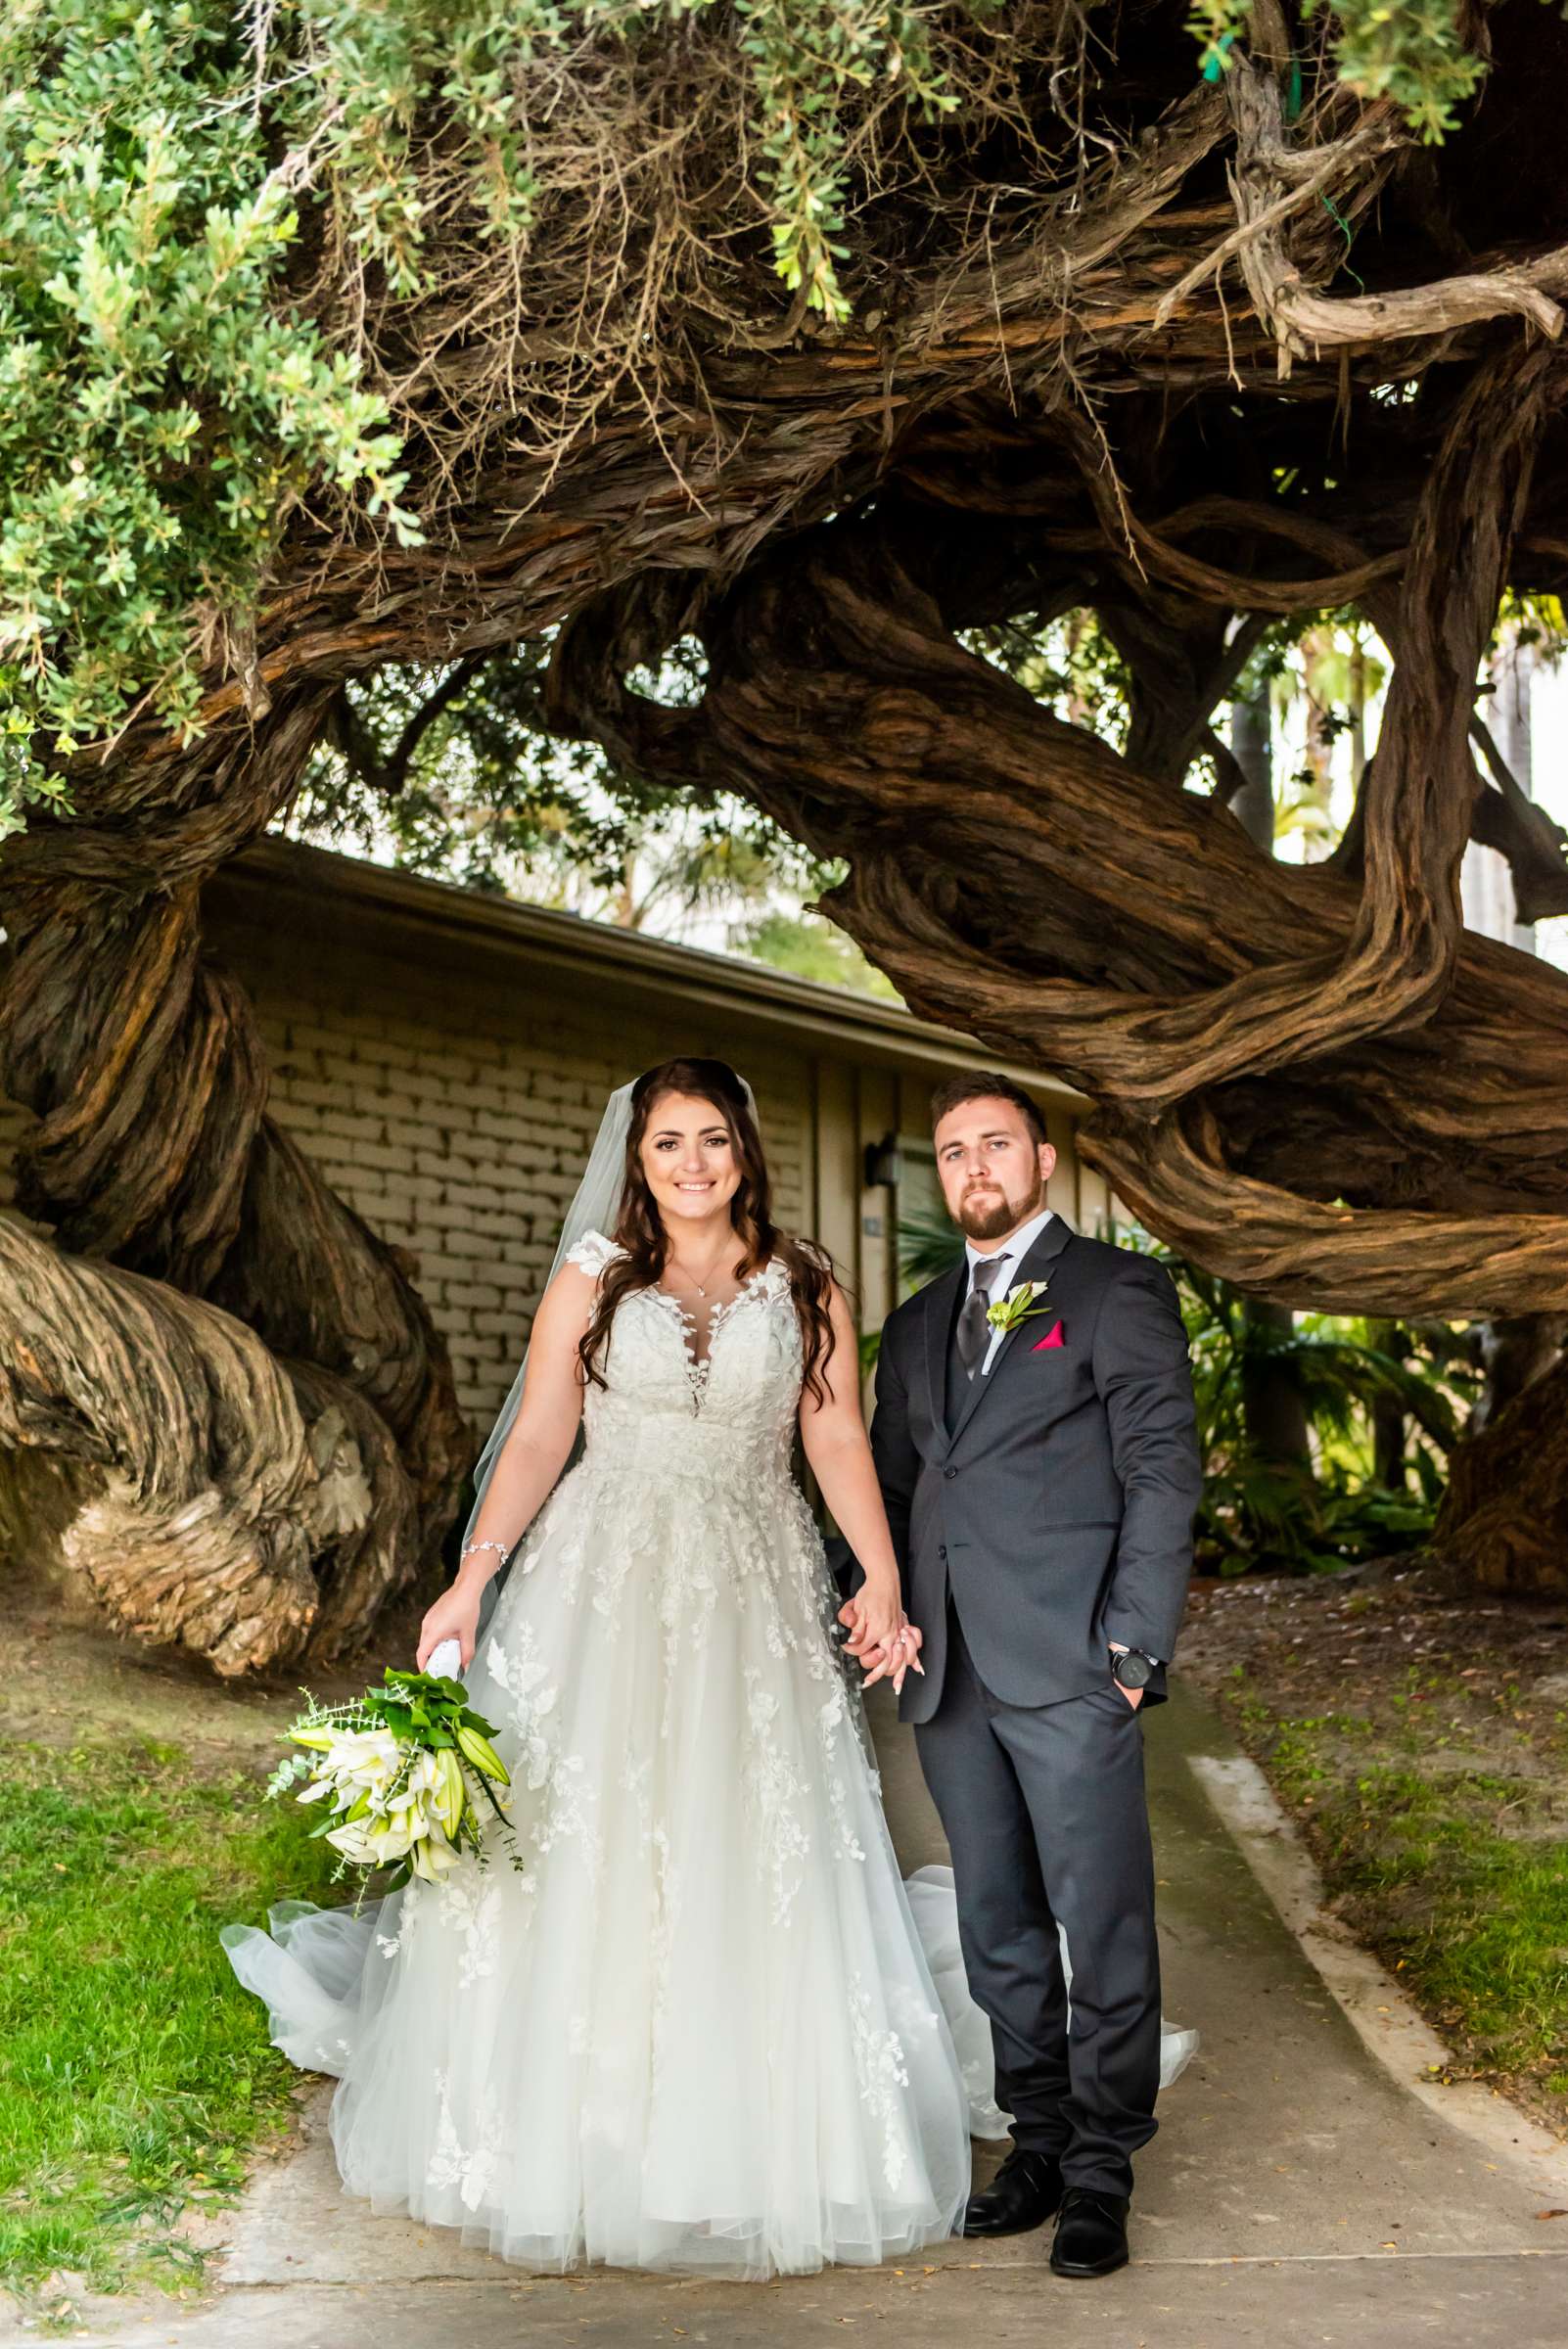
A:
988, 1213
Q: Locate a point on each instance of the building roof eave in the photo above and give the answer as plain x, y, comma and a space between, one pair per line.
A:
471, 921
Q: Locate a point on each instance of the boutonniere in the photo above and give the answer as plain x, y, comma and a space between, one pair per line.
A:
1006, 1312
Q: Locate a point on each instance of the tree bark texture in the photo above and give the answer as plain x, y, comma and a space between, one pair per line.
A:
1390, 1137
1503, 1520
254, 1488
1146, 390
219, 1497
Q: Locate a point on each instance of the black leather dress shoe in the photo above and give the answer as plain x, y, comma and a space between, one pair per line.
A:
1090, 2233
1024, 2192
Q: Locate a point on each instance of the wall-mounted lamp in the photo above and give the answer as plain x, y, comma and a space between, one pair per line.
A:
882, 1163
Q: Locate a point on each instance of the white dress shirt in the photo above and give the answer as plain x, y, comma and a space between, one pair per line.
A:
1010, 1255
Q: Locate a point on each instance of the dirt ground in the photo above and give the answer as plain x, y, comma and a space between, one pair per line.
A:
70, 1679
1382, 1641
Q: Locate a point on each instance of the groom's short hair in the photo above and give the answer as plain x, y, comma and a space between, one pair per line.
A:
988, 1086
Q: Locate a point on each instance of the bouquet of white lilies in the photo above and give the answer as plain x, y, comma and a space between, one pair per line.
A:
400, 1769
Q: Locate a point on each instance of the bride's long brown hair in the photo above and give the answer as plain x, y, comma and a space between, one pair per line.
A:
640, 1232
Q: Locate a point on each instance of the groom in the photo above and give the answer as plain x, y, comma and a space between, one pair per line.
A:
1040, 1479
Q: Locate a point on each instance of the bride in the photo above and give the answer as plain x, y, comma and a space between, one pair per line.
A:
700, 2029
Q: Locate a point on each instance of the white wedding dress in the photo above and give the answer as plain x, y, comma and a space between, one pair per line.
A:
703, 2030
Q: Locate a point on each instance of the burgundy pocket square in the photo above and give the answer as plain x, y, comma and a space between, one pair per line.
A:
1053, 1337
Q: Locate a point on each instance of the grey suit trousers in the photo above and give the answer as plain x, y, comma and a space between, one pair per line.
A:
1044, 1813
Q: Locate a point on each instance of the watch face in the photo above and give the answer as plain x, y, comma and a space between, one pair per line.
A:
1133, 1670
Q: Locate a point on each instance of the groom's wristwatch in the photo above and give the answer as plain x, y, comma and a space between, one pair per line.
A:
1132, 1666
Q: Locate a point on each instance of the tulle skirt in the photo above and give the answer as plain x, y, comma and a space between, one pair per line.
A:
705, 2026
307, 1967
696, 2030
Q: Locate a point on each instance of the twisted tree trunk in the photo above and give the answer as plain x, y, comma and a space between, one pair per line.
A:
1015, 876
210, 1495
1503, 1522
253, 1506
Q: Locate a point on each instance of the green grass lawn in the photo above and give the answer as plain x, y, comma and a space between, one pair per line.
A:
135, 2071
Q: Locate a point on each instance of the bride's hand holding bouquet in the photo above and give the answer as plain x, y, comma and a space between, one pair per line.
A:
453, 1619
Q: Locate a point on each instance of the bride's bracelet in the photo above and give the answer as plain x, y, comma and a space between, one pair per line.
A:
476, 1545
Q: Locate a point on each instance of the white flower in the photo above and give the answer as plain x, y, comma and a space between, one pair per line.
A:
1006, 1312
395, 1801
433, 1858
371, 1842
367, 1760
420, 1781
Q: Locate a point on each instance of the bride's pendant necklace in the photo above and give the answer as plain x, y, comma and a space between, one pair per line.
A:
699, 1285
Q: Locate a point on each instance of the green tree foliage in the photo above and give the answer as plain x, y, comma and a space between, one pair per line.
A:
158, 415
1412, 51
813, 949
167, 399
1256, 1510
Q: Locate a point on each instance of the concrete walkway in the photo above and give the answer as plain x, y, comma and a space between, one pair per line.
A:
1297, 2189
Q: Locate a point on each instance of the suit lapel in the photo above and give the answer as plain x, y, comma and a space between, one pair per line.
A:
940, 1298
1035, 1267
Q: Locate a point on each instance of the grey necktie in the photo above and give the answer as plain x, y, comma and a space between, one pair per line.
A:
973, 1330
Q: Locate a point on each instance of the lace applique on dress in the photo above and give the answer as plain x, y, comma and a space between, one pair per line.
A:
470, 1904
594, 1253
522, 1671
832, 1722
471, 2169
883, 2073
777, 1798
405, 1907
769, 1282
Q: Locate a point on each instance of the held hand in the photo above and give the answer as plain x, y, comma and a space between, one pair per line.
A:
454, 1616
882, 1638
881, 1647
853, 1615
875, 1613
894, 1657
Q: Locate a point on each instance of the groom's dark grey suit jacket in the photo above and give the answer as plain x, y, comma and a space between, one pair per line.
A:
1058, 1507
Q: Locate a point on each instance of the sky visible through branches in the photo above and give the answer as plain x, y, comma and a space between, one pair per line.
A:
580, 837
